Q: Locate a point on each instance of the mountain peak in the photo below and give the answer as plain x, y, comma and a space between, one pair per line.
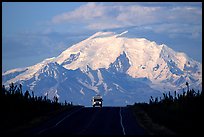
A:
124, 32
112, 64
102, 34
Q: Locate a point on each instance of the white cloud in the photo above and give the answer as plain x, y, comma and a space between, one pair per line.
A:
103, 25
86, 12
98, 16
138, 15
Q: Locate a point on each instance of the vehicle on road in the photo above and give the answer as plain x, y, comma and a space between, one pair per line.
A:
97, 101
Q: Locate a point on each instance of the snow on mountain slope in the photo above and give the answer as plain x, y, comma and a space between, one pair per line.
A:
123, 70
146, 58
25, 73
93, 52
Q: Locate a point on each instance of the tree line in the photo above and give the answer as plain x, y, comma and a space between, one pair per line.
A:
17, 106
15, 92
181, 113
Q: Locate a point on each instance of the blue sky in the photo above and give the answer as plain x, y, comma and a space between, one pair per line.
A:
34, 31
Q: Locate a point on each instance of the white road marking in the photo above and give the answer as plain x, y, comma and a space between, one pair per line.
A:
59, 121
121, 122
67, 117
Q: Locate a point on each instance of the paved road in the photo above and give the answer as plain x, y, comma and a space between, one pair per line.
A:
92, 121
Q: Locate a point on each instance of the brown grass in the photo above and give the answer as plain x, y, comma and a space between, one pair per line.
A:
146, 122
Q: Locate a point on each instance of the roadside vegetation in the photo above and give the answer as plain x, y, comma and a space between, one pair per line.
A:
20, 110
180, 114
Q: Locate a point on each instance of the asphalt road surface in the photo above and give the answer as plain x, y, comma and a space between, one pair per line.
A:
92, 121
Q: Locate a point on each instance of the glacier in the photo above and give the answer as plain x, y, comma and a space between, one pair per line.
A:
123, 70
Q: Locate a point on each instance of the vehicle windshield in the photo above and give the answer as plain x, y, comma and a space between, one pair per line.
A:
98, 99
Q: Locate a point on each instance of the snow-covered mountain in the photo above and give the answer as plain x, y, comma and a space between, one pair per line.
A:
123, 70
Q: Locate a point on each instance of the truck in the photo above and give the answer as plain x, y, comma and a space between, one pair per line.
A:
97, 101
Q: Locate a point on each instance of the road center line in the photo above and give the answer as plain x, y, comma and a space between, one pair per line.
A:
59, 121
66, 117
121, 122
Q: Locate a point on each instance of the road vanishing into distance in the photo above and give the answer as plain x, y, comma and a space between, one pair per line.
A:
91, 121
